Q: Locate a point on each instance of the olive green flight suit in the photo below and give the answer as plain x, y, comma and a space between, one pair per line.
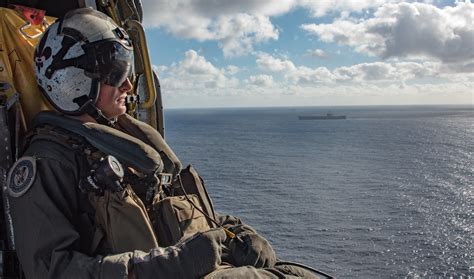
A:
54, 221
54, 227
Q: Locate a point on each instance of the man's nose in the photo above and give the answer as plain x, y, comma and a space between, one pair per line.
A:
126, 85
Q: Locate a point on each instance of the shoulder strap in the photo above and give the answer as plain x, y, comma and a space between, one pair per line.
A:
127, 149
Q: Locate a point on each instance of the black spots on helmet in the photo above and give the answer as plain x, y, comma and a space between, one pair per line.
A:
42, 57
74, 34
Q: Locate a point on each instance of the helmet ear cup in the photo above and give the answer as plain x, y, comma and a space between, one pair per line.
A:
67, 73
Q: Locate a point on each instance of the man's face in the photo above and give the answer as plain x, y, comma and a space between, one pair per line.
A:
111, 99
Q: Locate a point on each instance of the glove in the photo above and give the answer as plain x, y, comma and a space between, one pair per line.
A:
252, 249
191, 258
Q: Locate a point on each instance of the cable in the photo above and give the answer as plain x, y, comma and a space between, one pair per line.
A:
230, 234
234, 236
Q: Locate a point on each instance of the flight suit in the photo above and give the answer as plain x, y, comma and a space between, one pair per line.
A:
54, 223
55, 229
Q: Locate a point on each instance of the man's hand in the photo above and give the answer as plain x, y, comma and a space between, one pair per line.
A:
252, 249
192, 258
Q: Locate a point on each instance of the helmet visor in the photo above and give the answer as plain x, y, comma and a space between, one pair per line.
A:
114, 62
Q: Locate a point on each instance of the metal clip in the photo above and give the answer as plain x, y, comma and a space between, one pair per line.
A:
27, 25
166, 179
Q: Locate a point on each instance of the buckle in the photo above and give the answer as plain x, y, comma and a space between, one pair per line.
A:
166, 178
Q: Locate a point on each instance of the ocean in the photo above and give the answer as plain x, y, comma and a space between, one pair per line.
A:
386, 193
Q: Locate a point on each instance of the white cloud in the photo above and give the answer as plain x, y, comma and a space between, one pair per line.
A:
211, 7
195, 82
232, 70
322, 95
382, 71
261, 80
366, 72
195, 64
428, 51
195, 73
182, 12
159, 69
238, 33
398, 28
309, 76
395, 72
408, 30
318, 53
321, 8
267, 62
236, 26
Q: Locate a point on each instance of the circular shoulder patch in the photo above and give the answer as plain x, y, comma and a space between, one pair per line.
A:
21, 176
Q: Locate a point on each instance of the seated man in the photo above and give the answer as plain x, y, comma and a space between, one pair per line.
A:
85, 193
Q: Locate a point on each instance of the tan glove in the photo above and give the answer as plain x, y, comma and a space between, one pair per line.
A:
252, 249
192, 258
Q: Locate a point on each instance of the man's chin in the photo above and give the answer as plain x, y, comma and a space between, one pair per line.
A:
115, 114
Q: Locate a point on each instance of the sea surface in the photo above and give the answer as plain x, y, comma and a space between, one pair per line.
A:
386, 193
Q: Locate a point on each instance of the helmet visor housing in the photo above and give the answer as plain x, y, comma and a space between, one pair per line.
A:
114, 62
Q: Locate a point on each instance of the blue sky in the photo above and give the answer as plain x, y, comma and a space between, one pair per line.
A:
211, 53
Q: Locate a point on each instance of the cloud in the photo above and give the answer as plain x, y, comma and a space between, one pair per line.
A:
238, 33
309, 76
194, 64
196, 82
182, 12
261, 80
269, 7
194, 73
232, 70
426, 50
318, 53
236, 26
395, 72
321, 8
408, 30
267, 62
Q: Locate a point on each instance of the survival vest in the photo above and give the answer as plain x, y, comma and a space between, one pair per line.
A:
179, 207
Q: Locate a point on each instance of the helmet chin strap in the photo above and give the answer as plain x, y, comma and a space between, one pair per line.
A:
87, 105
97, 114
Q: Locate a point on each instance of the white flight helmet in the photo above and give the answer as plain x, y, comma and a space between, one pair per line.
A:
76, 54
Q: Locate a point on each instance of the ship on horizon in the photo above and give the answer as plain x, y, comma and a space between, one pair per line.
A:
328, 116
